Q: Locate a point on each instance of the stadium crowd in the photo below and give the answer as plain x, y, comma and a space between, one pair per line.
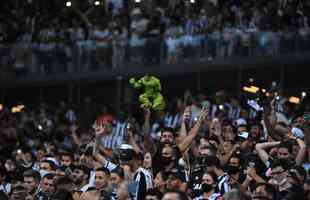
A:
108, 33
201, 147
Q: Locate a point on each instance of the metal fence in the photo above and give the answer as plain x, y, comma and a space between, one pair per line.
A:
44, 59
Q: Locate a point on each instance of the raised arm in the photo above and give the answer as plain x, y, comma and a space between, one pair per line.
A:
184, 145
261, 150
185, 119
148, 142
302, 151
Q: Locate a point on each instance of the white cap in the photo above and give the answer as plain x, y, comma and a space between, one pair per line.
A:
126, 146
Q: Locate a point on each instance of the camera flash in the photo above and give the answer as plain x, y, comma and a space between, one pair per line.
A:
263, 90
97, 3
221, 107
303, 94
19, 151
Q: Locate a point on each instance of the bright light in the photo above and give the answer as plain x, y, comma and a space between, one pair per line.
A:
15, 110
294, 100
68, 4
1, 107
138, 1
263, 90
221, 107
251, 89
267, 94
97, 3
303, 94
192, 1
251, 80
277, 98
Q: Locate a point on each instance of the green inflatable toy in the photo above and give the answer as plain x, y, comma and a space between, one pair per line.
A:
151, 98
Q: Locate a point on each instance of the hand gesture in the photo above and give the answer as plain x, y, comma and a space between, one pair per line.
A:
147, 113
186, 115
203, 114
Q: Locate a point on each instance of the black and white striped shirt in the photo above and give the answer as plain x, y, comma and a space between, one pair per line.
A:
222, 185
114, 139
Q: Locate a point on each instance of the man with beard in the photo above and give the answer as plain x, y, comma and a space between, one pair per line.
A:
168, 151
264, 191
102, 179
32, 180
284, 152
80, 177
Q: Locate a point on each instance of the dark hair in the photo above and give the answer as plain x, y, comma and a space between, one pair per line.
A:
182, 195
119, 171
154, 192
83, 168
213, 161
32, 174
51, 163
287, 145
164, 175
169, 129
3, 171
62, 194
67, 154
63, 181
213, 175
49, 176
280, 163
270, 189
104, 170
3, 196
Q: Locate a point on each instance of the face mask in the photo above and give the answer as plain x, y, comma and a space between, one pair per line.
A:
231, 169
206, 187
166, 160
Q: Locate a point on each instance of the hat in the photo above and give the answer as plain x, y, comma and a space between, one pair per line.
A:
136, 11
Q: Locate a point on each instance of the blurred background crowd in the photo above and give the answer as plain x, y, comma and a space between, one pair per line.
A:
70, 36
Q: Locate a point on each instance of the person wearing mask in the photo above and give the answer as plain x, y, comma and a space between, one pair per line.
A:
208, 188
213, 166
